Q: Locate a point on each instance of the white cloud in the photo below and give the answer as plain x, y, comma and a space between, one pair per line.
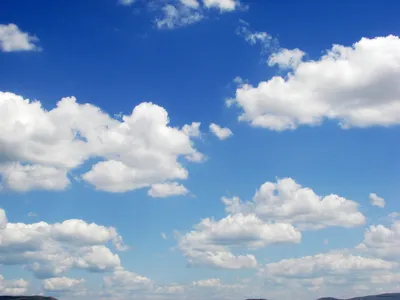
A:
210, 241
170, 289
13, 39
13, 287
286, 59
212, 282
289, 202
222, 5
24, 178
221, 132
161, 190
192, 129
62, 284
3, 219
265, 40
38, 146
52, 249
355, 86
320, 264
382, 241
376, 200
178, 16
126, 280
163, 235
191, 3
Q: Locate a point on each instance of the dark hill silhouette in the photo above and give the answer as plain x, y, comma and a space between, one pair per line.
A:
395, 296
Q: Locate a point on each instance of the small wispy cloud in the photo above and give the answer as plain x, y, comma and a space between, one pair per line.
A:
268, 43
172, 14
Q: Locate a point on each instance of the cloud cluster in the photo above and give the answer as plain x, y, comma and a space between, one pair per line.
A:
356, 86
13, 287
38, 147
49, 250
289, 202
62, 284
12, 39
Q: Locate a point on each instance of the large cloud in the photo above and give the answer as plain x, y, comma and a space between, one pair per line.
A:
356, 86
287, 201
210, 241
52, 249
38, 147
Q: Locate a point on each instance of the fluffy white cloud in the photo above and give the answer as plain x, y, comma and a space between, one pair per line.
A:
356, 86
13, 39
382, 241
126, 280
376, 200
221, 132
222, 5
13, 287
164, 236
286, 59
161, 190
38, 146
52, 249
62, 284
210, 241
320, 264
23, 178
192, 129
287, 201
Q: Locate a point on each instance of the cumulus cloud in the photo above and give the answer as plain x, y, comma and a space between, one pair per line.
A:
353, 85
62, 284
12, 39
210, 241
52, 249
287, 201
38, 146
382, 241
13, 287
320, 264
126, 280
286, 59
376, 200
162, 190
221, 132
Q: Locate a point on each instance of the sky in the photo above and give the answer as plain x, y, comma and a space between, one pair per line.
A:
199, 149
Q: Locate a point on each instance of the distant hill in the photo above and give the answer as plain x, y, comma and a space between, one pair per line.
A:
26, 298
395, 296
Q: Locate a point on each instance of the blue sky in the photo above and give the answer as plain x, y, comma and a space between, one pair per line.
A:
178, 104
